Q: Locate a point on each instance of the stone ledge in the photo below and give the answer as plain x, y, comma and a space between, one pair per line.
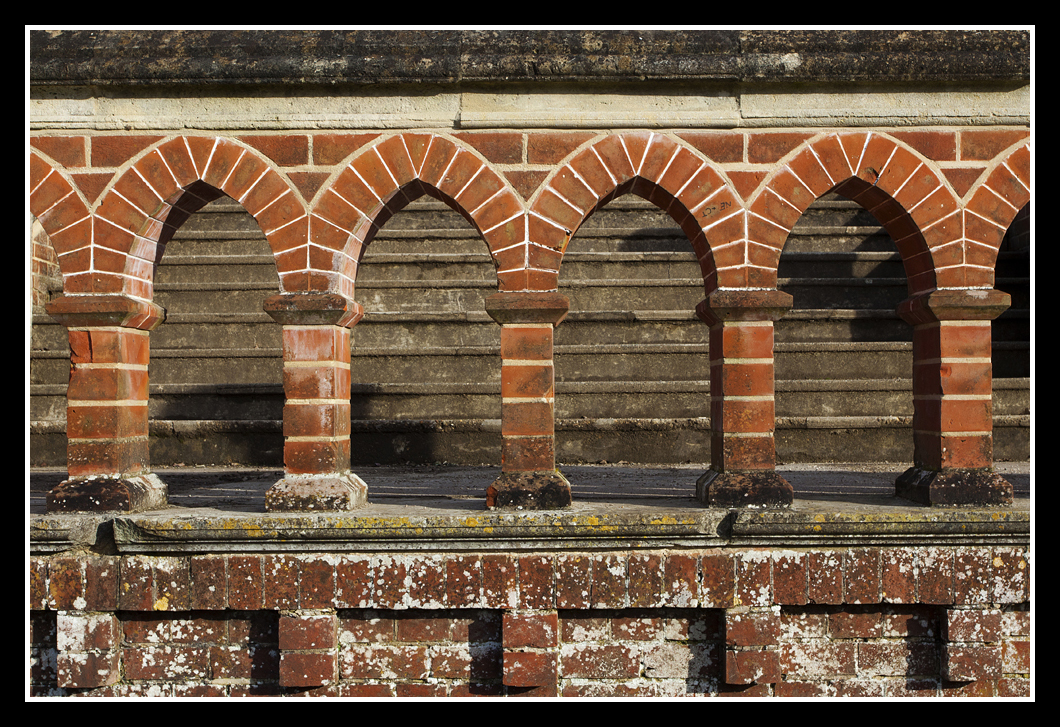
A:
421, 527
442, 509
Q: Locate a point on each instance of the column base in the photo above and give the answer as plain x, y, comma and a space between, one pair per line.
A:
337, 491
953, 487
765, 489
546, 490
138, 493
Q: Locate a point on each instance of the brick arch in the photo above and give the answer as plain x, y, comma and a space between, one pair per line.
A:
63, 213
380, 179
914, 203
1003, 190
674, 177
138, 214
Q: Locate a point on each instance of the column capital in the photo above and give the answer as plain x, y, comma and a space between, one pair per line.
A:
743, 305
95, 311
314, 309
954, 305
528, 307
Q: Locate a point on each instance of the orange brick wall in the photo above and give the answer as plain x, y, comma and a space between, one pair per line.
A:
110, 203
945, 196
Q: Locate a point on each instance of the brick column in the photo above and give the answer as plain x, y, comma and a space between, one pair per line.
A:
742, 409
308, 649
953, 399
752, 635
531, 652
108, 456
316, 413
529, 479
89, 649
972, 644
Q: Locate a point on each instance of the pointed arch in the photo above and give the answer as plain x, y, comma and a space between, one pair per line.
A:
1003, 190
163, 186
901, 188
666, 172
383, 177
63, 213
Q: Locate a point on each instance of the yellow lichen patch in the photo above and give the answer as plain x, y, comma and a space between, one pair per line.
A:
665, 521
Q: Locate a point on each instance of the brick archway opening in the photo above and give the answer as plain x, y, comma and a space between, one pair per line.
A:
632, 371
216, 362
1010, 336
49, 362
844, 390
425, 371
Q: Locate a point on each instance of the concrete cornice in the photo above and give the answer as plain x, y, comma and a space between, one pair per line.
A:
448, 57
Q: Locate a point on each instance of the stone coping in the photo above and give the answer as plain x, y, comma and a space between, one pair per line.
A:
330, 57
415, 509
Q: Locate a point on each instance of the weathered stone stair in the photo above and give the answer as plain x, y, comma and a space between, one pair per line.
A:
844, 357
632, 374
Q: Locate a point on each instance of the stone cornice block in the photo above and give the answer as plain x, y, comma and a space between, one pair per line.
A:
82, 311
528, 307
954, 305
744, 305
308, 309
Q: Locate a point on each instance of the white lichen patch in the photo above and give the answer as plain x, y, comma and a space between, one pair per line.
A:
1009, 583
756, 555
883, 659
579, 631
905, 565
803, 626
668, 661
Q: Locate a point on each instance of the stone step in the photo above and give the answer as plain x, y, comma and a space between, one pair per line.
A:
622, 399
477, 441
216, 298
186, 272
642, 362
222, 331
467, 297
625, 225
839, 210
587, 347
614, 399
470, 358
805, 238
253, 330
815, 280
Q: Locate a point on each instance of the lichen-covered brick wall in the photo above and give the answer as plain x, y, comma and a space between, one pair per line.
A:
866, 621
